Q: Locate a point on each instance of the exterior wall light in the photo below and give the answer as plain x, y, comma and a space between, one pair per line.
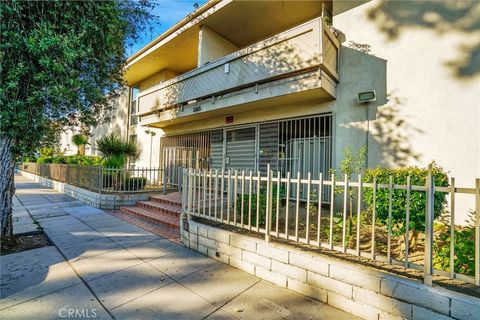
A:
367, 96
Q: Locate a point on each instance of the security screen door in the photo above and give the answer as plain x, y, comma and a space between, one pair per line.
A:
241, 148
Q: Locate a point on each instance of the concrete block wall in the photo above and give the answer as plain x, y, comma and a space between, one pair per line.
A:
357, 289
94, 199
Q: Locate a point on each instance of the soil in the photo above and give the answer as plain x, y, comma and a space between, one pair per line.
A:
24, 242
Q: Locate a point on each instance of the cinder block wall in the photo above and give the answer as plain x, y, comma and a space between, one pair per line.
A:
360, 290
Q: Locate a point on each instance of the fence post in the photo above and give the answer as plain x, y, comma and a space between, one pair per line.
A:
164, 180
68, 174
268, 205
429, 217
100, 179
477, 231
190, 192
184, 192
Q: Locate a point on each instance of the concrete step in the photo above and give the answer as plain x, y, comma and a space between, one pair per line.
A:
161, 207
167, 220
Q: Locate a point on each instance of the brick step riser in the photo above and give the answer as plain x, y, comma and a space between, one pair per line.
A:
166, 201
179, 204
159, 210
150, 219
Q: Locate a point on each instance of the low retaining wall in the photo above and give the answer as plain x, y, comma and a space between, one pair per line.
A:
94, 199
354, 288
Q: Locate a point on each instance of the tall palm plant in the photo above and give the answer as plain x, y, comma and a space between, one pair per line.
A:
115, 151
80, 140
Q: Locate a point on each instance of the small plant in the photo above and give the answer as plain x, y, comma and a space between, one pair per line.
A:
362, 47
353, 163
80, 140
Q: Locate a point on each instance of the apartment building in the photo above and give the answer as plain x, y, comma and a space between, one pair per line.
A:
237, 85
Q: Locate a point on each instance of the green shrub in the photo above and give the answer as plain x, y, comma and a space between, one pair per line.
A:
135, 183
118, 181
117, 161
464, 259
77, 159
46, 152
399, 202
29, 159
262, 209
59, 159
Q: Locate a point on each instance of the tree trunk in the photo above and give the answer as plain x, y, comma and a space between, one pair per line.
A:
7, 187
81, 150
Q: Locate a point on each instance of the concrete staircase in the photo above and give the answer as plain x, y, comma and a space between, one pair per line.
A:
161, 210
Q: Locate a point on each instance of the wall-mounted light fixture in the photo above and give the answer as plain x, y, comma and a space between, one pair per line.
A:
367, 96
152, 134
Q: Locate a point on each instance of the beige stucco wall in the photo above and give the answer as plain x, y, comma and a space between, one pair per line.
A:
158, 77
212, 46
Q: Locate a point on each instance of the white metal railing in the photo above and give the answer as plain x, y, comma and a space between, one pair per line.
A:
263, 203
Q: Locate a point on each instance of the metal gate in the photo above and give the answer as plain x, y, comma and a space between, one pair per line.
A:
241, 148
302, 145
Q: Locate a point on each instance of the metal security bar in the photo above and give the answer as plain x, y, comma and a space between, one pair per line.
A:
263, 203
109, 180
305, 146
190, 150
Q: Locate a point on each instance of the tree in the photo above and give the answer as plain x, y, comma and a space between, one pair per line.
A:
62, 62
352, 163
80, 140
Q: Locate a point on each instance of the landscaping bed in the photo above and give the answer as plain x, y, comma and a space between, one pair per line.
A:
24, 242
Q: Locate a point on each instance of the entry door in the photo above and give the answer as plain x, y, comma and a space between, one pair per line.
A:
241, 149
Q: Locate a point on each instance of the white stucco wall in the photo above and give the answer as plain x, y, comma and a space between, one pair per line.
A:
144, 141
433, 107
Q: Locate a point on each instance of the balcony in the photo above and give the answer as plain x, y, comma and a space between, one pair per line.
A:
296, 61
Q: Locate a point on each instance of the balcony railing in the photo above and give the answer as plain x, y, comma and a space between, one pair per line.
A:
303, 48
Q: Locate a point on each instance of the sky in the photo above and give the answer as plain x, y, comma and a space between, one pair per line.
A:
168, 12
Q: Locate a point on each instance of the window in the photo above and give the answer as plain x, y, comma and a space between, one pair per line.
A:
133, 106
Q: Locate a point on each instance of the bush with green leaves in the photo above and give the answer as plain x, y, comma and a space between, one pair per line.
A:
77, 159
464, 258
135, 183
418, 177
116, 151
119, 180
262, 195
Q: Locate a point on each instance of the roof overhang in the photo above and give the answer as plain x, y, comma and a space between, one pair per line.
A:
240, 22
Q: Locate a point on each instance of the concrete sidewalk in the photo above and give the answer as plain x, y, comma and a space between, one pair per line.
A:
102, 267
